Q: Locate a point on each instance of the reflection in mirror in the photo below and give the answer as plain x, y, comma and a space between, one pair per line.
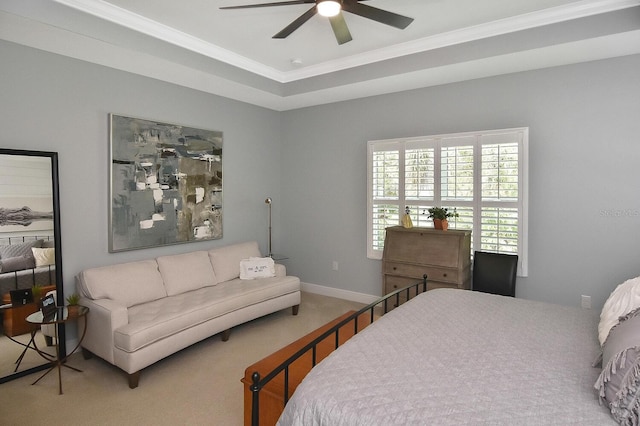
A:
30, 258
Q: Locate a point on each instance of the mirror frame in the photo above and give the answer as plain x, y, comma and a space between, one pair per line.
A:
58, 250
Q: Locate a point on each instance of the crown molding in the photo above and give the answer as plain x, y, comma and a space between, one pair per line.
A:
599, 48
165, 33
56, 40
143, 25
526, 21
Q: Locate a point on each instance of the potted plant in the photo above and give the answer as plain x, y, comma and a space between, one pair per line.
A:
38, 293
440, 217
73, 300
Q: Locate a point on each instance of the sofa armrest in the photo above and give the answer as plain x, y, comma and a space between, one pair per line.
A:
104, 317
281, 270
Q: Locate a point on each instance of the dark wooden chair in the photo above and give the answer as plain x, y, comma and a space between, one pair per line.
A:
495, 273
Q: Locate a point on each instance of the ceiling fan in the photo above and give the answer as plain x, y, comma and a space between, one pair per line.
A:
333, 10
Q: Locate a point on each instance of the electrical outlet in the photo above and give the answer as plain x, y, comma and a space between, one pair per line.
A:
334, 265
585, 301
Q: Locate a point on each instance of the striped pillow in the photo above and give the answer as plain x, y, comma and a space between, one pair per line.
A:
21, 250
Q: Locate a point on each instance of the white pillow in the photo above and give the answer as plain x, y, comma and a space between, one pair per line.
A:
226, 260
624, 299
257, 267
44, 256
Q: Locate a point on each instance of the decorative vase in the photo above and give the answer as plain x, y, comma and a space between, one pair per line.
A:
442, 224
406, 219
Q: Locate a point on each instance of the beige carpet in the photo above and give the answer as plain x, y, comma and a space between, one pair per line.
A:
11, 351
197, 386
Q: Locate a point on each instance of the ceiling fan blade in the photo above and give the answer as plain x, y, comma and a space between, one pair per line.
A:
340, 28
279, 3
296, 24
379, 15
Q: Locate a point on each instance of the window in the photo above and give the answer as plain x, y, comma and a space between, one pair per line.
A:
483, 175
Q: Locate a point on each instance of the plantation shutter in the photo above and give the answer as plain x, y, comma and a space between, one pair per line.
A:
500, 192
482, 175
384, 205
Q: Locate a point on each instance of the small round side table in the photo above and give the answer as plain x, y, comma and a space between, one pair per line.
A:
61, 315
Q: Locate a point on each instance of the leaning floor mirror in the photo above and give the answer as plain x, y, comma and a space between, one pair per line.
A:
30, 258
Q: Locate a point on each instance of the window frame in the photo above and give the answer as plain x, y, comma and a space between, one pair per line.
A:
436, 141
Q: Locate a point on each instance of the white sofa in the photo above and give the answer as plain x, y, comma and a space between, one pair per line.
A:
141, 312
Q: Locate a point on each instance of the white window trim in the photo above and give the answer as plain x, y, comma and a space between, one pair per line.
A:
523, 183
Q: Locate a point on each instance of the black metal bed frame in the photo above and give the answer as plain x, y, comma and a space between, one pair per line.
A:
23, 239
258, 383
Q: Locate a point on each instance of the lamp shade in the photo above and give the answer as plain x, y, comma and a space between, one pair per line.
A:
328, 8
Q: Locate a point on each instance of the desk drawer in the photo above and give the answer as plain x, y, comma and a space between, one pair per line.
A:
393, 283
417, 271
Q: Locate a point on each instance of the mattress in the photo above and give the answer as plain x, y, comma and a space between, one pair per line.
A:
455, 357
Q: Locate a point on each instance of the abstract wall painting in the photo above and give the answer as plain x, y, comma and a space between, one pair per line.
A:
166, 184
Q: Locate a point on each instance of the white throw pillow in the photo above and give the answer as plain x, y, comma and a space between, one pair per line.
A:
624, 299
257, 267
226, 260
44, 256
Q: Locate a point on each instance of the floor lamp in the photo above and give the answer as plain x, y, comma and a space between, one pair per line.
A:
268, 202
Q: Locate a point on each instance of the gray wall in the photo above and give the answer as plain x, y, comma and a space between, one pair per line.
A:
584, 163
312, 162
52, 103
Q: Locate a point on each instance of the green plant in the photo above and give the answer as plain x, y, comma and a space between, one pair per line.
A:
37, 292
442, 213
73, 299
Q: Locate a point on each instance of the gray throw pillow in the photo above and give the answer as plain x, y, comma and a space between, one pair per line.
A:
48, 244
12, 264
619, 382
22, 249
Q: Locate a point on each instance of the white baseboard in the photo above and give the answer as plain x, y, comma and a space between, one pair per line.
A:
339, 293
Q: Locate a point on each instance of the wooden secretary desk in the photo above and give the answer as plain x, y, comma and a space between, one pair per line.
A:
445, 256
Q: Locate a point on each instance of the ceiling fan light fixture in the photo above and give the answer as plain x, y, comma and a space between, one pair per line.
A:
328, 8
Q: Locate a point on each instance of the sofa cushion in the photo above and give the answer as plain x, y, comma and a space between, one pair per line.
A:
127, 283
185, 272
226, 260
157, 320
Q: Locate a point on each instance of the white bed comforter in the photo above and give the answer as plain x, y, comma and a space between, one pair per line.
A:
453, 357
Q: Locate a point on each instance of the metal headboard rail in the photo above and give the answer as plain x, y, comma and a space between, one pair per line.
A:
258, 383
16, 239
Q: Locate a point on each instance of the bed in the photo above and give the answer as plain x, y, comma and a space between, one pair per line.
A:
26, 261
456, 357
